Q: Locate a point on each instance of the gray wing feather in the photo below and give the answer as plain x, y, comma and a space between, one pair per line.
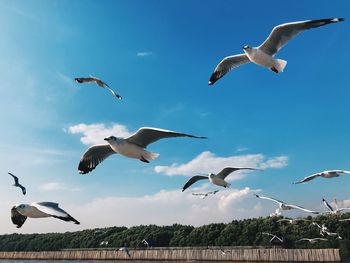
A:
226, 171
17, 218
94, 156
308, 178
54, 210
145, 136
281, 34
227, 64
193, 180
303, 209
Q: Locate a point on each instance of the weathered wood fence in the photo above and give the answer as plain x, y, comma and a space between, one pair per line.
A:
237, 254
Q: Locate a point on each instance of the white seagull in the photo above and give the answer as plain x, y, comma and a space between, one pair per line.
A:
204, 195
344, 220
17, 184
100, 83
217, 179
331, 210
274, 237
284, 206
19, 213
264, 54
133, 147
323, 229
292, 221
324, 174
312, 240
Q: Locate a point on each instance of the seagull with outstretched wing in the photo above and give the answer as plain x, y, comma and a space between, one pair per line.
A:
132, 147
264, 54
217, 179
17, 184
99, 82
19, 213
324, 174
284, 206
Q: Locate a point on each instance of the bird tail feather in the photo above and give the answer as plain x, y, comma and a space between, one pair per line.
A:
150, 155
280, 65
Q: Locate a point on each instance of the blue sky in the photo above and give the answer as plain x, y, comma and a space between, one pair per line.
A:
159, 56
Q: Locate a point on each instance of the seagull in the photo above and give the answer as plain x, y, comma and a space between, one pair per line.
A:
331, 210
274, 237
19, 213
264, 54
312, 240
133, 147
292, 221
204, 195
344, 220
104, 243
285, 206
99, 83
217, 179
324, 174
18, 184
323, 228
126, 250
145, 242
224, 251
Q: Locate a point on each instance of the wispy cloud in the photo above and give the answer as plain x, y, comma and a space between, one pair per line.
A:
241, 149
56, 186
145, 54
209, 162
95, 133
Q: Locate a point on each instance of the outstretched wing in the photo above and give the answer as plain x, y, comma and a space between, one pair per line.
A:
271, 199
281, 34
22, 188
17, 218
308, 178
14, 177
226, 171
93, 157
53, 210
84, 80
147, 135
113, 92
326, 204
193, 180
227, 64
303, 209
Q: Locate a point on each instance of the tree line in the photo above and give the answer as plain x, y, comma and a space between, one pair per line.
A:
247, 232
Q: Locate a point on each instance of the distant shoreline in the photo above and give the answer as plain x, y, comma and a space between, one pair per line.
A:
236, 254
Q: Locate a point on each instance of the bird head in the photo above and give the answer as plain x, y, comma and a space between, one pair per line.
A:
110, 139
247, 48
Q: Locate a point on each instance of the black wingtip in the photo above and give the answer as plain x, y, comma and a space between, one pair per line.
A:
78, 80
214, 78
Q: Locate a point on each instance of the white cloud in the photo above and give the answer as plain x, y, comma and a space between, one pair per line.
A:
241, 149
207, 162
56, 186
145, 54
95, 133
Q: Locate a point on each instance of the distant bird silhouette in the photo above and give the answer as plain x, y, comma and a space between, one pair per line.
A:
324, 174
99, 83
17, 184
204, 195
293, 221
274, 237
217, 179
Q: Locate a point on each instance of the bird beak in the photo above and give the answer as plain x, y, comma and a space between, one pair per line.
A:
106, 139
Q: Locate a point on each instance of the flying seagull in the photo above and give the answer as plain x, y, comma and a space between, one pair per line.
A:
312, 240
217, 179
264, 54
324, 174
285, 206
323, 229
344, 220
19, 213
99, 83
18, 184
133, 147
292, 221
274, 237
204, 195
331, 210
